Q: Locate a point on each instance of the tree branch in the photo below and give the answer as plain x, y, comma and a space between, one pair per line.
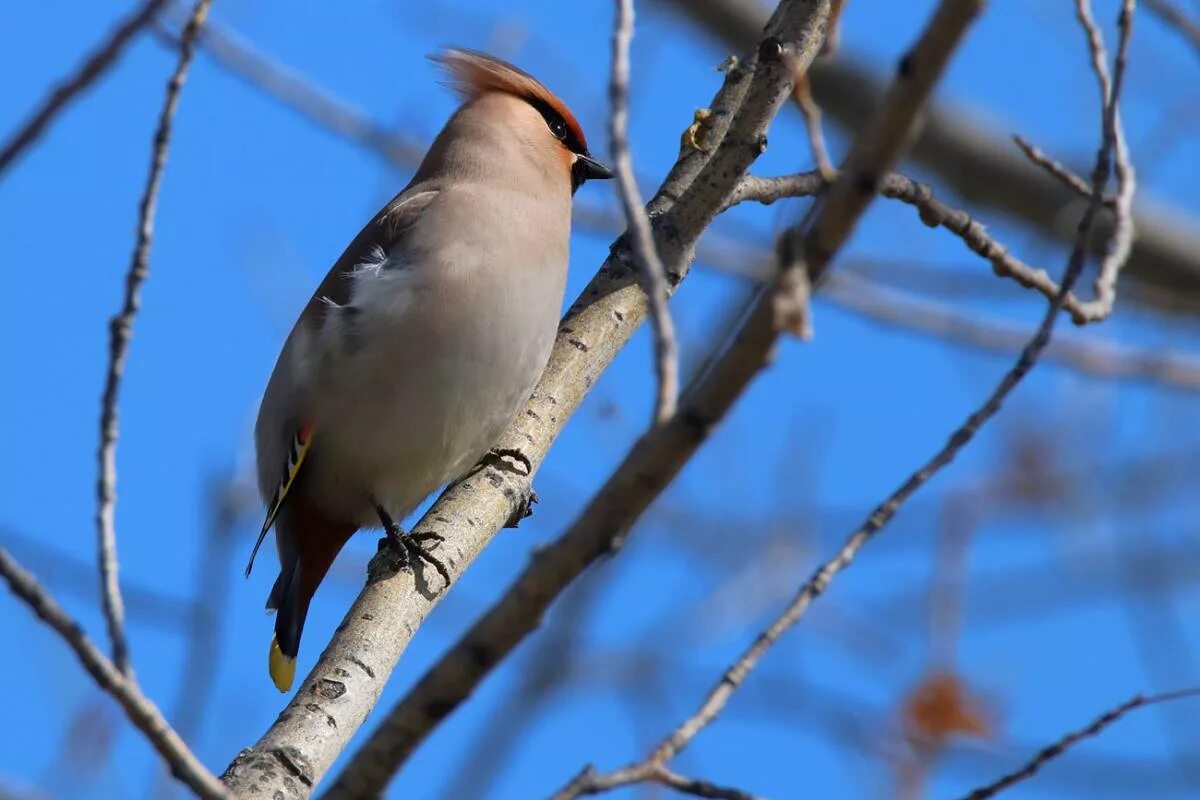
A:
101, 59
645, 254
116, 676
1055, 750
981, 168
120, 331
935, 213
140, 710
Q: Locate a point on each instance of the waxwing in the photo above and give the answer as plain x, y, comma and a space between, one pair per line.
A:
425, 338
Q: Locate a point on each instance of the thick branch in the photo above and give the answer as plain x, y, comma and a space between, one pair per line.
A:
334, 700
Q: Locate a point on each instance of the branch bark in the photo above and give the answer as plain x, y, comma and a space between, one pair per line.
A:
336, 697
120, 332
1163, 270
140, 710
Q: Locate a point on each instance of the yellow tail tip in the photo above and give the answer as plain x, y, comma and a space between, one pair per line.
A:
283, 669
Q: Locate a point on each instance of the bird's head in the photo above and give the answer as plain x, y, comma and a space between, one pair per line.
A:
522, 105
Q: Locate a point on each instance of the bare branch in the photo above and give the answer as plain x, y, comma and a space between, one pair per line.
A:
808, 106
1120, 245
589, 782
233, 53
1065, 176
645, 254
101, 59
120, 331
1055, 750
936, 213
982, 168
141, 711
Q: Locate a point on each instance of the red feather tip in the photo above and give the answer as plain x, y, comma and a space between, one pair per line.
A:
473, 73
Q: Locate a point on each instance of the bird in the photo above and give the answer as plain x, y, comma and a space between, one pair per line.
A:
426, 337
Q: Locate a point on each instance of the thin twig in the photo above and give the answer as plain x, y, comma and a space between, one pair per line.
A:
645, 254
141, 711
1117, 252
589, 782
802, 94
120, 329
1055, 750
1065, 176
234, 54
101, 59
936, 213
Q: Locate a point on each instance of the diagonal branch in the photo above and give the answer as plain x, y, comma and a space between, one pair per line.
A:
120, 331
84, 76
982, 168
1051, 752
141, 711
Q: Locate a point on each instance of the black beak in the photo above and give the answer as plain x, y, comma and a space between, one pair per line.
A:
587, 168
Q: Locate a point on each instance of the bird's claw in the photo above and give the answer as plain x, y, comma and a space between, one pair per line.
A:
410, 548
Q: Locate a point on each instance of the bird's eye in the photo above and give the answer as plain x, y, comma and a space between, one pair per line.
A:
558, 128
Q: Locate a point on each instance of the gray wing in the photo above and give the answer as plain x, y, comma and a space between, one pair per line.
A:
284, 411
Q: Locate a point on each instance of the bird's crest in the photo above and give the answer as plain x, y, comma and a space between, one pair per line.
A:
473, 73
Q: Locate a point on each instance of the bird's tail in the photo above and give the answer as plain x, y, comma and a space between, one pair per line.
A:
308, 545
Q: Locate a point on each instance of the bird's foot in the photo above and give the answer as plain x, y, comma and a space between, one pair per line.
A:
411, 548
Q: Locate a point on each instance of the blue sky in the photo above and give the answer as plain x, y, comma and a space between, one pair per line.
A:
256, 204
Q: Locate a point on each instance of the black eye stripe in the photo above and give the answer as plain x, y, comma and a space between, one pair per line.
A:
557, 125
